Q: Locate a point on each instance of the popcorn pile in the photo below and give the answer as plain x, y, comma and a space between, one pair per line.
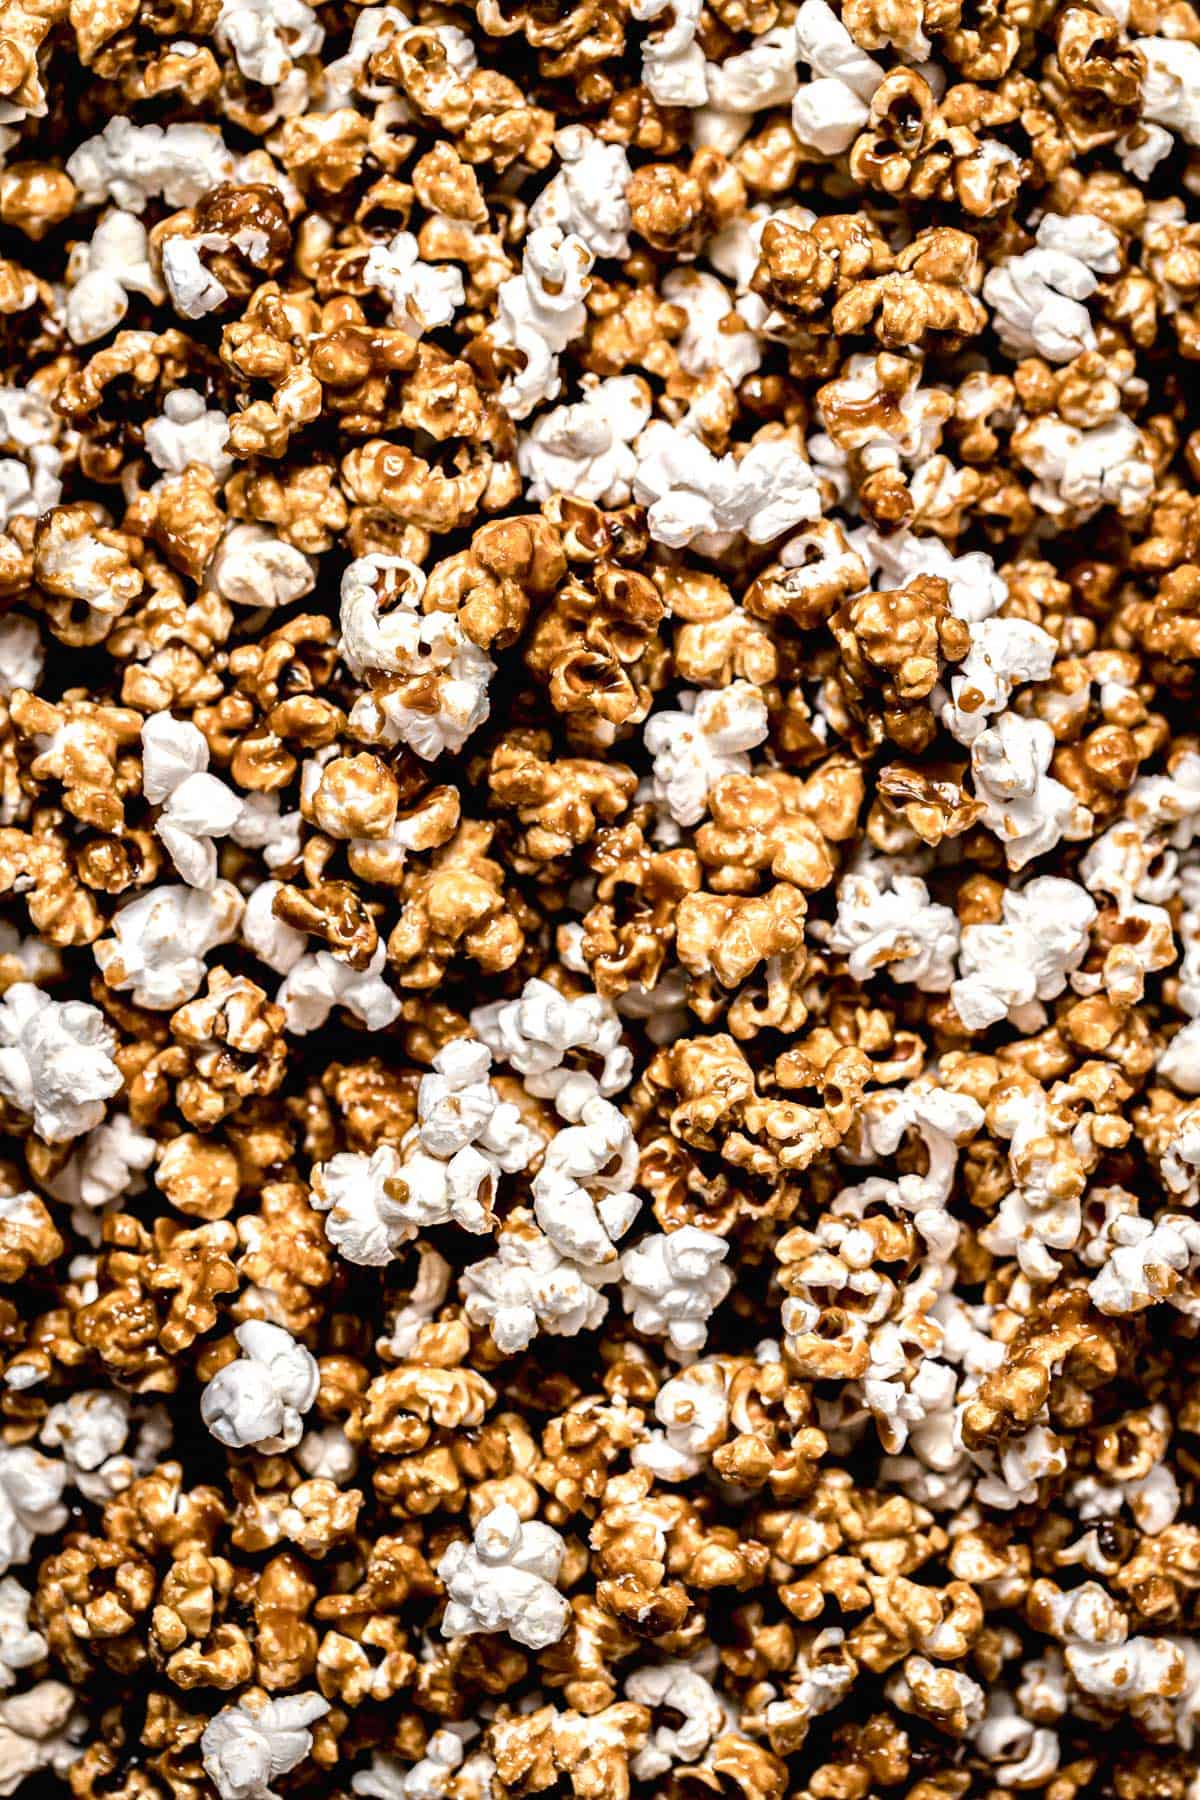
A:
600, 882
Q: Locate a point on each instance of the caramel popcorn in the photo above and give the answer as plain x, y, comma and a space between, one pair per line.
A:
600, 940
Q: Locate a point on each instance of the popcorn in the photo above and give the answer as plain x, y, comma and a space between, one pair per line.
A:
245, 1747
161, 939
587, 449
39, 1730
254, 567
258, 1401
1028, 810
196, 806
830, 111
529, 1286
132, 164
265, 36
673, 66
695, 498
705, 739
20, 1646
537, 1031
586, 198
887, 922
55, 1062
316, 984
643, 561
504, 1581
539, 312
596, 1152
105, 271
1170, 96
681, 1689
445, 1172
188, 433
671, 1283
1037, 298
1003, 653
1007, 968
31, 1488
422, 296
430, 653
1079, 471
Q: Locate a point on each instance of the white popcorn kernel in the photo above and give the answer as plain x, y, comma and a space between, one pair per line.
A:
20, 1645
1003, 652
427, 652
1170, 95
598, 1155
673, 66
265, 36
762, 76
827, 115
1041, 940
193, 288
586, 198
21, 655
31, 1488
529, 1286
535, 1033
325, 1453
705, 738
586, 450
252, 566
672, 1281
693, 1409
1036, 298
539, 312
829, 112
374, 638
1145, 1258
716, 335
378, 1204
457, 1106
1024, 805
1140, 150
504, 1581
1079, 470
277, 944
104, 272
246, 1746
887, 921
445, 1171
56, 1062
427, 1779
188, 433
422, 296
103, 1167
704, 501
133, 164
258, 1401
262, 825
683, 1691
39, 1731
314, 985
160, 940
196, 806
91, 1428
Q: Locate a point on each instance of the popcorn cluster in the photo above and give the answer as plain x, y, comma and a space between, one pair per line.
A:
599, 900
